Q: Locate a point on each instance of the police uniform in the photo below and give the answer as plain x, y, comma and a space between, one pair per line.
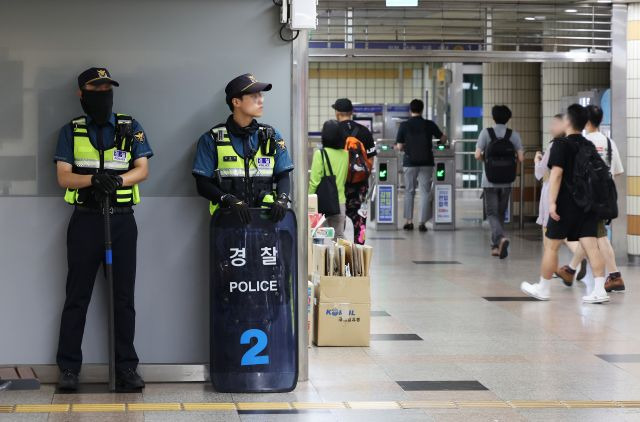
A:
91, 149
227, 158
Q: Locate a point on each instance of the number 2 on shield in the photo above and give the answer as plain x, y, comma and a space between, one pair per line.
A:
251, 356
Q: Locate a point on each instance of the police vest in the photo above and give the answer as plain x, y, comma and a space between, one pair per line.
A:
116, 161
231, 168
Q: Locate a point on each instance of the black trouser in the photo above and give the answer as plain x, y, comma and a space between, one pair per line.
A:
85, 253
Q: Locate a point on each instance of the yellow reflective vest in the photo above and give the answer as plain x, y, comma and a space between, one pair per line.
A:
116, 161
231, 169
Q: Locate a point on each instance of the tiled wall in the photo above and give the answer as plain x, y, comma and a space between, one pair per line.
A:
516, 85
567, 79
633, 129
362, 83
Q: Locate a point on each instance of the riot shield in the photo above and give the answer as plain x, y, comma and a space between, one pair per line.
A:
253, 303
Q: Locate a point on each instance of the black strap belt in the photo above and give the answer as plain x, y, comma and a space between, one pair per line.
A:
113, 210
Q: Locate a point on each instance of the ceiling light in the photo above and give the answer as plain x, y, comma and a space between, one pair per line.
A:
402, 3
529, 18
571, 10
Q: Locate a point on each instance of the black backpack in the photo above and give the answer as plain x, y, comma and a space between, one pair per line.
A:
500, 160
592, 186
328, 199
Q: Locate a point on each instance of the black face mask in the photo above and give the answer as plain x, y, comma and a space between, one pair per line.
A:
98, 105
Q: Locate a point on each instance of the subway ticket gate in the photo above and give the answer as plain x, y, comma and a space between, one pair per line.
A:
383, 211
444, 188
253, 303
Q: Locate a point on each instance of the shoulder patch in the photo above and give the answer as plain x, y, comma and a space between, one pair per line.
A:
139, 136
281, 144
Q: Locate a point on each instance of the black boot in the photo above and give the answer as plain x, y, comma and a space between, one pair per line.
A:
68, 380
128, 379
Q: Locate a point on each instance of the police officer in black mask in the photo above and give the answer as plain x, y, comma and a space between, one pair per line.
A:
100, 154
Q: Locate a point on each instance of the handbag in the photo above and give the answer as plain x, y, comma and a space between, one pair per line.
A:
328, 200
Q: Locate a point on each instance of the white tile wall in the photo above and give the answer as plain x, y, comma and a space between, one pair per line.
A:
567, 79
323, 92
516, 85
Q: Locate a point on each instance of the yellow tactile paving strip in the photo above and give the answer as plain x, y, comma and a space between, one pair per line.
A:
303, 406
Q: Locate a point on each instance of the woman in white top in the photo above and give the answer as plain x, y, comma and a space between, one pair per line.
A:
542, 171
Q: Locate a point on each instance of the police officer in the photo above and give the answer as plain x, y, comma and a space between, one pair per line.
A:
242, 164
100, 154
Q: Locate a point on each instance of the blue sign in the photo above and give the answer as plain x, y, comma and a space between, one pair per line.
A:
362, 108
253, 327
472, 112
385, 211
396, 108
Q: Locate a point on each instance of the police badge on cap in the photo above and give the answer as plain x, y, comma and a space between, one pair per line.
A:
96, 76
245, 84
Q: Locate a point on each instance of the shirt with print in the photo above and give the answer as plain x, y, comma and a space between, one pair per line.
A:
600, 141
362, 134
483, 142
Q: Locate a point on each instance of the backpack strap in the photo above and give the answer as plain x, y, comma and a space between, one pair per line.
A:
609, 153
507, 135
492, 134
355, 130
325, 155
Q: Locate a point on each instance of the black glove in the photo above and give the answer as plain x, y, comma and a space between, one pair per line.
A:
280, 207
106, 183
239, 207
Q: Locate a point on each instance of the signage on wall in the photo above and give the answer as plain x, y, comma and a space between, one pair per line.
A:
385, 209
443, 204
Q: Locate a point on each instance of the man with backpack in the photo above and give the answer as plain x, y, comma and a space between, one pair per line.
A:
579, 196
608, 151
501, 149
415, 137
361, 155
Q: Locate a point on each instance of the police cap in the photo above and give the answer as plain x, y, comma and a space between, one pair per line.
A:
95, 76
245, 84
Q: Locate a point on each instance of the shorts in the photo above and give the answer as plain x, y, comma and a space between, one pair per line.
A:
573, 227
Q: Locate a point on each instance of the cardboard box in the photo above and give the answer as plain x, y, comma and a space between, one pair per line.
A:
313, 203
342, 311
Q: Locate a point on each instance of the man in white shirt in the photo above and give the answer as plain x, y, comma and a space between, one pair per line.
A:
609, 152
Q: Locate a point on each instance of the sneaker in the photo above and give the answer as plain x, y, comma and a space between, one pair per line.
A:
422, 228
495, 252
614, 284
596, 297
583, 270
408, 226
129, 379
68, 380
567, 275
503, 248
534, 291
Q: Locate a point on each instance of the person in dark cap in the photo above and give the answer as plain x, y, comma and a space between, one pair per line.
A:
356, 193
331, 159
242, 146
100, 154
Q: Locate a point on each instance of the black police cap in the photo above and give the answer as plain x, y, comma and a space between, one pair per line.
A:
245, 84
96, 76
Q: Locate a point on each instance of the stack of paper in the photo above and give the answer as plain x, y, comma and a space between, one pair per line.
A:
343, 258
